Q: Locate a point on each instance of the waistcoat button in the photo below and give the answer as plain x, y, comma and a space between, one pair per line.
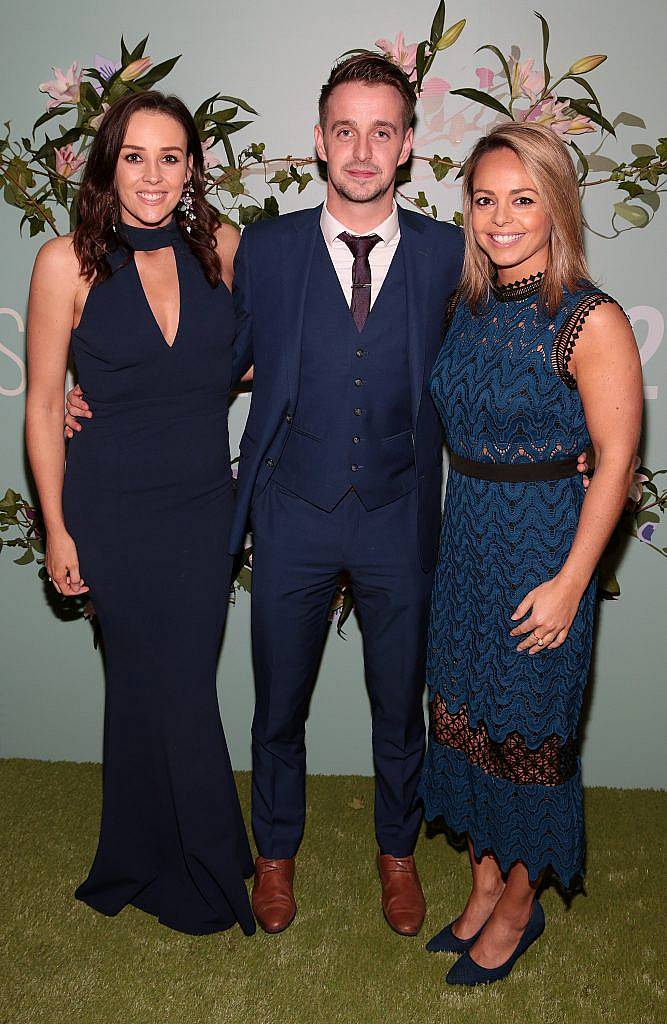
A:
356, 439
354, 467
358, 382
270, 463
357, 412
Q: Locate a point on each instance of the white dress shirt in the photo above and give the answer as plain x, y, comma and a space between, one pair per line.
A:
379, 258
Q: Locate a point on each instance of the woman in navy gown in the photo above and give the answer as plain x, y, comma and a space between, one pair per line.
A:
141, 513
536, 364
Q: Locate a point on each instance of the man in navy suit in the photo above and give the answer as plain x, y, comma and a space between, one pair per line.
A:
340, 310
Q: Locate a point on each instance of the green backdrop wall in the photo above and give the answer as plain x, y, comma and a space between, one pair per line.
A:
276, 56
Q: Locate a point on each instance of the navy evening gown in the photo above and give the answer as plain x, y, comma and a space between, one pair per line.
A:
503, 763
148, 501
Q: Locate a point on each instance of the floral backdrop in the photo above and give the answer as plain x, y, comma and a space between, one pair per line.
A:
40, 173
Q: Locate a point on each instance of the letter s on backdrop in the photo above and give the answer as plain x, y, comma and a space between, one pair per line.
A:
4, 351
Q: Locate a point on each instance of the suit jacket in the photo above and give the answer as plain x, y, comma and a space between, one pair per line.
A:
270, 280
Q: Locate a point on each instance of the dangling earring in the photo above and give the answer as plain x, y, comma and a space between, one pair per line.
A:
111, 204
186, 204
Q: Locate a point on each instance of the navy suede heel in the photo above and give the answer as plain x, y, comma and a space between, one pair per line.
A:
466, 972
447, 942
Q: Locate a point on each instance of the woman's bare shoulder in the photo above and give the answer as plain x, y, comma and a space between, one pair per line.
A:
57, 256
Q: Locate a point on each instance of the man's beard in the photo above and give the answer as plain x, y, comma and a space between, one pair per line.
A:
347, 191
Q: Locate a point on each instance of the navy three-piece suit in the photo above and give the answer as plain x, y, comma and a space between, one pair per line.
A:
340, 468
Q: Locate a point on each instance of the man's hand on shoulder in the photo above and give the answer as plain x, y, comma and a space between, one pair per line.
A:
77, 408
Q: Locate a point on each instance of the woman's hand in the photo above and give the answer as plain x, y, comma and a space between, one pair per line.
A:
62, 564
552, 606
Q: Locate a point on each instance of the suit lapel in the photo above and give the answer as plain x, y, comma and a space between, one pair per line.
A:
418, 267
298, 246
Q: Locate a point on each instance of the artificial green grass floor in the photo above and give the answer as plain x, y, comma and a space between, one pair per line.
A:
601, 960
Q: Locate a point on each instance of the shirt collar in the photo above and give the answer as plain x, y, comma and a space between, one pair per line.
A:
388, 230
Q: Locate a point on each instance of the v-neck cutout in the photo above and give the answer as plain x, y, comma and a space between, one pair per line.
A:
169, 344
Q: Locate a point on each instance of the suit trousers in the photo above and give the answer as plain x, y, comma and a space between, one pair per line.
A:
299, 551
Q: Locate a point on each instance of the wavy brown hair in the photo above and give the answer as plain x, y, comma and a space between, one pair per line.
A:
99, 209
548, 162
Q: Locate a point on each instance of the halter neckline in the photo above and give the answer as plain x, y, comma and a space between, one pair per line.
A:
149, 239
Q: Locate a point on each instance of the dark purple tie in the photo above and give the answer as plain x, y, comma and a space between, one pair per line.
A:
360, 246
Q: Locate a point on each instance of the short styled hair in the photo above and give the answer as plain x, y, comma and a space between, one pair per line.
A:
375, 70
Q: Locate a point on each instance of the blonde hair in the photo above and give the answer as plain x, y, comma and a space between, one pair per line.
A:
550, 166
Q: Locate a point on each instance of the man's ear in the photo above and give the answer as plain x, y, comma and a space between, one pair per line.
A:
319, 143
406, 148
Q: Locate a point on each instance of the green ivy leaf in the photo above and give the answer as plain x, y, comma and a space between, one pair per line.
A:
25, 559
652, 200
632, 120
441, 166
646, 517
632, 189
635, 215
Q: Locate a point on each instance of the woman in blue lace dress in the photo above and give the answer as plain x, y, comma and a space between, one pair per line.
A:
536, 364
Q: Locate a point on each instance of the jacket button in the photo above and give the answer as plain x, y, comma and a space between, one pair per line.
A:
288, 418
358, 382
360, 353
355, 439
270, 463
357, 412
354, 467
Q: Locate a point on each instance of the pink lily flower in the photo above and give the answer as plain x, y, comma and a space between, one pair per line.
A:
434, 86
637, 485
525, 81
403, 54
64, 88
67, 162
135, 69
559, 117
485, 77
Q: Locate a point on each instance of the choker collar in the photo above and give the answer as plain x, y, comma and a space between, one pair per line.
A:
148, 239
518, 289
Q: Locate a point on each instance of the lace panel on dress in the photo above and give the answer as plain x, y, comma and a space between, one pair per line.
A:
551, 764
567, 337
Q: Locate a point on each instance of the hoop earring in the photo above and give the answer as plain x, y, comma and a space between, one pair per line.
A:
186, 204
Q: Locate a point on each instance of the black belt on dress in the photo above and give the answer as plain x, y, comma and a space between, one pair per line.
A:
514, 472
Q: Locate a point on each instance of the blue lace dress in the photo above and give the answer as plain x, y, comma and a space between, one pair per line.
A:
502, 763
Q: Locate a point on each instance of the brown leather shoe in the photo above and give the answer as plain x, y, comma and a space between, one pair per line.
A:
403, 901
273, 901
